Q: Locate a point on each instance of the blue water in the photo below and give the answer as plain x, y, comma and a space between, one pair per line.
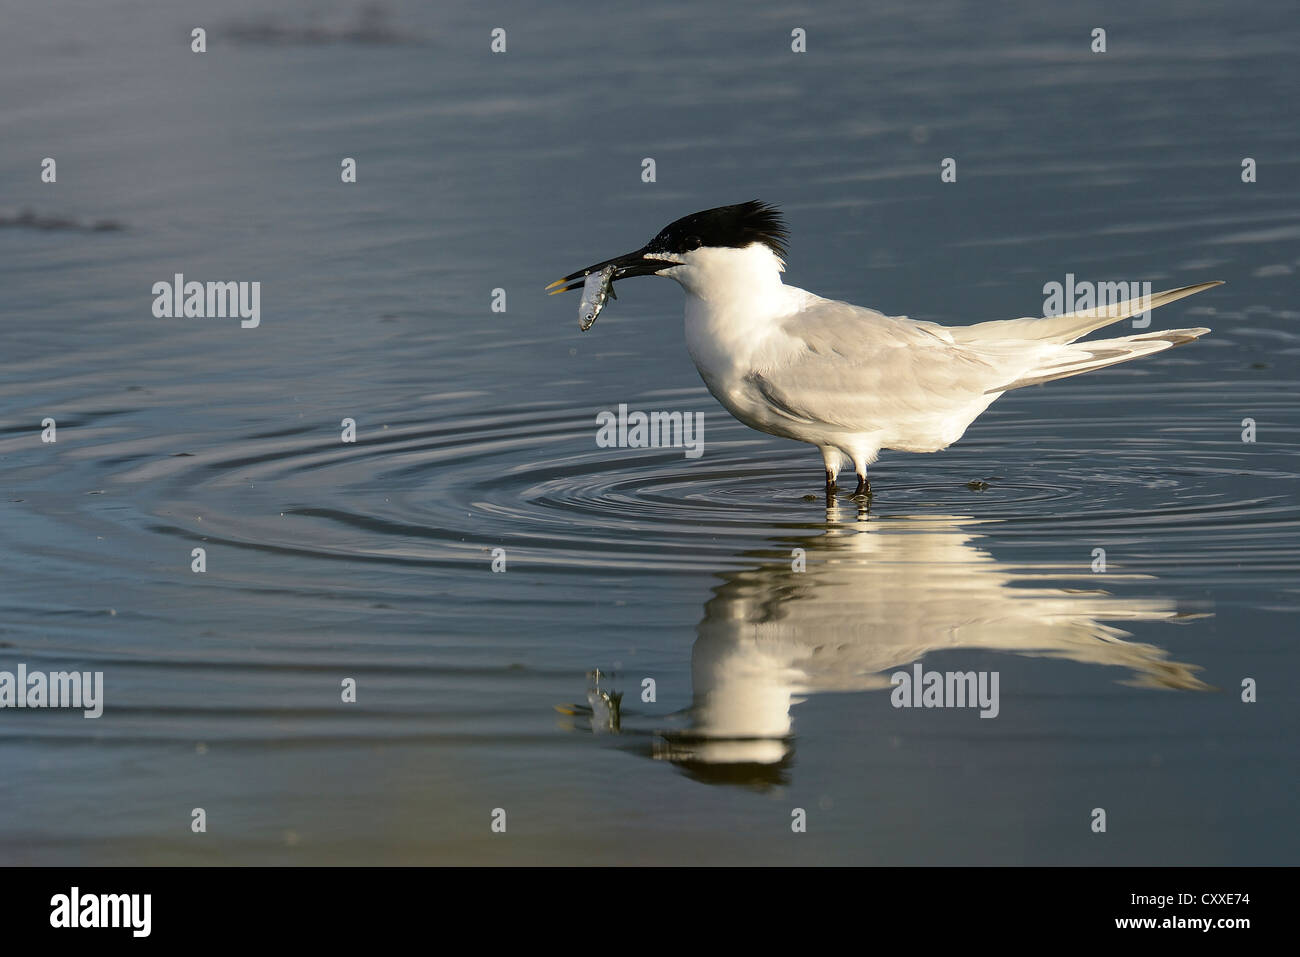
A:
476, 431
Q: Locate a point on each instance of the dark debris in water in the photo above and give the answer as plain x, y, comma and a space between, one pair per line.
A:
371, 28
978, 486
26, 219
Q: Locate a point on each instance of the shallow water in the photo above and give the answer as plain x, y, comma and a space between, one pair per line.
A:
476, 431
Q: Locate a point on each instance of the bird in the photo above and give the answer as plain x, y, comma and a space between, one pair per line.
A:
892, 592
850, 380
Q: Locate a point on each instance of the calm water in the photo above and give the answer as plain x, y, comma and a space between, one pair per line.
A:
476, 431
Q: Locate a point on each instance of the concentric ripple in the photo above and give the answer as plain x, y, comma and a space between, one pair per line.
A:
534, 481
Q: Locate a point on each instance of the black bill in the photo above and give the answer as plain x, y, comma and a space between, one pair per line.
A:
625, 267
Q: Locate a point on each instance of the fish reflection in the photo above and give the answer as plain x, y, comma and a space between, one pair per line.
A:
874, 596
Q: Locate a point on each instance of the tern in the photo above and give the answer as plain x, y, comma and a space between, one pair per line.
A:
853, 381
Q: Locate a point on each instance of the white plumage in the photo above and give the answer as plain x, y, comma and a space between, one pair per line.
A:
849, 380
853, 381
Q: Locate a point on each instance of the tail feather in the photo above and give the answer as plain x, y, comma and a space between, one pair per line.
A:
1071, 326
1073, 359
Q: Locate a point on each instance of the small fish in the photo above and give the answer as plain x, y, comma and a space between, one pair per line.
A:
598, 286
606, 710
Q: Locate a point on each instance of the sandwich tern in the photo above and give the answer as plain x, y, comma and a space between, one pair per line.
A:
847, 379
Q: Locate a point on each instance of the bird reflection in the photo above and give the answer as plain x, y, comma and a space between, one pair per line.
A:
839, 607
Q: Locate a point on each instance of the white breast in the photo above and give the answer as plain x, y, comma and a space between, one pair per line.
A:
734, 303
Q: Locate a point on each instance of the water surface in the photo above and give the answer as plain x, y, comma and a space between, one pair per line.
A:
476, 431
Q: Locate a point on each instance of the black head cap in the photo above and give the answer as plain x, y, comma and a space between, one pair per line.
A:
729, 226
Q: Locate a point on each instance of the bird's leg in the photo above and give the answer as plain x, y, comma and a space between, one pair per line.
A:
831, 488
831, 459
864, 487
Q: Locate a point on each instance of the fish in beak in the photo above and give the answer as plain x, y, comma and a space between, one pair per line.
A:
597, 281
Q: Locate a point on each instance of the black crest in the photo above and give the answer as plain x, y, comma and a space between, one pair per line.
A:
730, 226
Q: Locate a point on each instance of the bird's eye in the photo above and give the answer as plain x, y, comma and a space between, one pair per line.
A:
693, 242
